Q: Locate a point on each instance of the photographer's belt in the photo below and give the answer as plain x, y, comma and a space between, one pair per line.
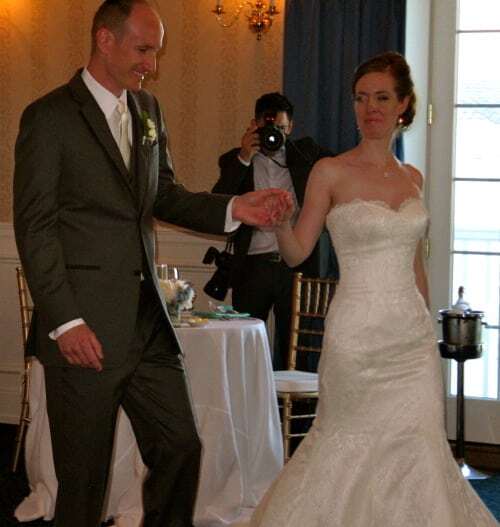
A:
268, 257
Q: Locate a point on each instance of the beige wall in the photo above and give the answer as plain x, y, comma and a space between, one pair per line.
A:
207, 81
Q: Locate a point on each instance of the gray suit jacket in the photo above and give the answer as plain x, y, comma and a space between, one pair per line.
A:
84, 224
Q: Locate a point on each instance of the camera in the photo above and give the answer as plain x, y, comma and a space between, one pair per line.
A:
218, 285
271, 136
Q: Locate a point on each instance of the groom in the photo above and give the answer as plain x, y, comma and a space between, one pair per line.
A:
92, 170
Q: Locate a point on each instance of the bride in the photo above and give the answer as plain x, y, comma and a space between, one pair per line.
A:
377, 453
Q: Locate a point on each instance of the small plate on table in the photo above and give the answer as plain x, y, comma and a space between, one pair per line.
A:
197, 322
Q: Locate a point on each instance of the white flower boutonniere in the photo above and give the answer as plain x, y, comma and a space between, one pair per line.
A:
150, 134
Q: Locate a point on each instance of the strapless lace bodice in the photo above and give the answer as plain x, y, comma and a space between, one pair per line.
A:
375, 244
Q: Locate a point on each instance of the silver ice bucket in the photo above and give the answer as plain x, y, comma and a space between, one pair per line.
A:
462, 328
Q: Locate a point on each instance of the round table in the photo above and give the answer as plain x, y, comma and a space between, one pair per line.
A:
229, 372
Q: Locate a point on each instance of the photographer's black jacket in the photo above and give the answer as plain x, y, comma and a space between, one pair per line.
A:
236, 179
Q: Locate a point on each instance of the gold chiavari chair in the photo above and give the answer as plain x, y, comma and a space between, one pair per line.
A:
26, 309
310, 301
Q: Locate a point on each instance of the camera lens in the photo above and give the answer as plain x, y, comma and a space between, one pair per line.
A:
271, 138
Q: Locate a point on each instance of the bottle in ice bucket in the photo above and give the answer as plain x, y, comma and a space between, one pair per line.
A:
461, 304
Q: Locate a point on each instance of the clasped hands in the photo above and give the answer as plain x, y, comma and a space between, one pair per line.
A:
263, 208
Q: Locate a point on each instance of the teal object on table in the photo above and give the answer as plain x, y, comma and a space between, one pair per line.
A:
220, 314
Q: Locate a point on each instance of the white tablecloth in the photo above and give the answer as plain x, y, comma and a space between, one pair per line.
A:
230, 375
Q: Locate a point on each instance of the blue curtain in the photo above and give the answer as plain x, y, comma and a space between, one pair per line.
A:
324, 42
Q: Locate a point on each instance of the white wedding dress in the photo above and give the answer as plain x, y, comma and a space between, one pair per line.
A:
377, 454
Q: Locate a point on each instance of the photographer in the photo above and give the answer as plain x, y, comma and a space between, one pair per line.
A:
267, 158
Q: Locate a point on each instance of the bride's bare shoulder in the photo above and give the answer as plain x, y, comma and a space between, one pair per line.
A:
415, 174
333, 167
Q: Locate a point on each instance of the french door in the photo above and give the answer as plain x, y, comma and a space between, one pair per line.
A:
464, 191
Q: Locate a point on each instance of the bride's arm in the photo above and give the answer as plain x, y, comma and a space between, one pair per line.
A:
418, 265
297, 243
420, 274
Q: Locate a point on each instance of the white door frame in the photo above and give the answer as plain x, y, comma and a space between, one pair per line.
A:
482, 416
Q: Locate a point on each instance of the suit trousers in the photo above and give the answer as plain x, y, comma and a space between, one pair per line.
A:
264, 284
150, 385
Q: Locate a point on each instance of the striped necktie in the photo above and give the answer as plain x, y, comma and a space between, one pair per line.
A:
123, 143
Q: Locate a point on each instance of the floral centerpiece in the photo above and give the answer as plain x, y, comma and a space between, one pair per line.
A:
179, 296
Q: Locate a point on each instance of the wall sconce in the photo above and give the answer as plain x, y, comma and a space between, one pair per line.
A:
259, 15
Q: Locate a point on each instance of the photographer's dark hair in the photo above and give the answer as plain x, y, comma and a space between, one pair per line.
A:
394, 64
272, 103
112, 14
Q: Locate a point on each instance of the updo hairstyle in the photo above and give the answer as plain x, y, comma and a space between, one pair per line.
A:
394, 64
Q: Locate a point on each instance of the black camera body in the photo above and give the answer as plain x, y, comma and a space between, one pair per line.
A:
270, 136
218, 285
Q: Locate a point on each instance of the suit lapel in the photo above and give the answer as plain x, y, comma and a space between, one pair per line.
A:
296, 173
97, 122
140, 151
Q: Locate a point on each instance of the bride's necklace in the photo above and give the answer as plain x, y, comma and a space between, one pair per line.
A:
389, 172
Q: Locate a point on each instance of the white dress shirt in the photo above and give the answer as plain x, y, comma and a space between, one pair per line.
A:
270, 174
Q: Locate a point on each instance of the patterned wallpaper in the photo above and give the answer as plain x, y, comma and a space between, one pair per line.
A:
207, 81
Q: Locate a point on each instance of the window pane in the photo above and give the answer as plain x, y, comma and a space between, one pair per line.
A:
480, 276
478, 74
477, 144
467, 241
481, 375
479, 14
476, 214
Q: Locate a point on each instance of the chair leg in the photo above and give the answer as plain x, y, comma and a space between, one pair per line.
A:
287, 414
24, 418
21, 432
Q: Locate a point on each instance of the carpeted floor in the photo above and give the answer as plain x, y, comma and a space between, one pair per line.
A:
13, 487
489, 490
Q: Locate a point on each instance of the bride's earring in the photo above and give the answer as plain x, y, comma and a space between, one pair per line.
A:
400, 120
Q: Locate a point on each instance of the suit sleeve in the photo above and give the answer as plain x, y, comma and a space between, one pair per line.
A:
199, 211
311, 149
38, 156
232, 174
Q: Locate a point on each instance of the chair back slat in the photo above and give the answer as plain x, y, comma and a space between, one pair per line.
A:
311, 299
25, 304
26, 311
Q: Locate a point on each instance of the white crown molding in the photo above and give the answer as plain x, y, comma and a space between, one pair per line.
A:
11, 367
182, 247
10, 391
8, 249
166, 232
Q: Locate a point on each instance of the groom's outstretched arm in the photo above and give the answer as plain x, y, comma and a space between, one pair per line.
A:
261, 208
206, 212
